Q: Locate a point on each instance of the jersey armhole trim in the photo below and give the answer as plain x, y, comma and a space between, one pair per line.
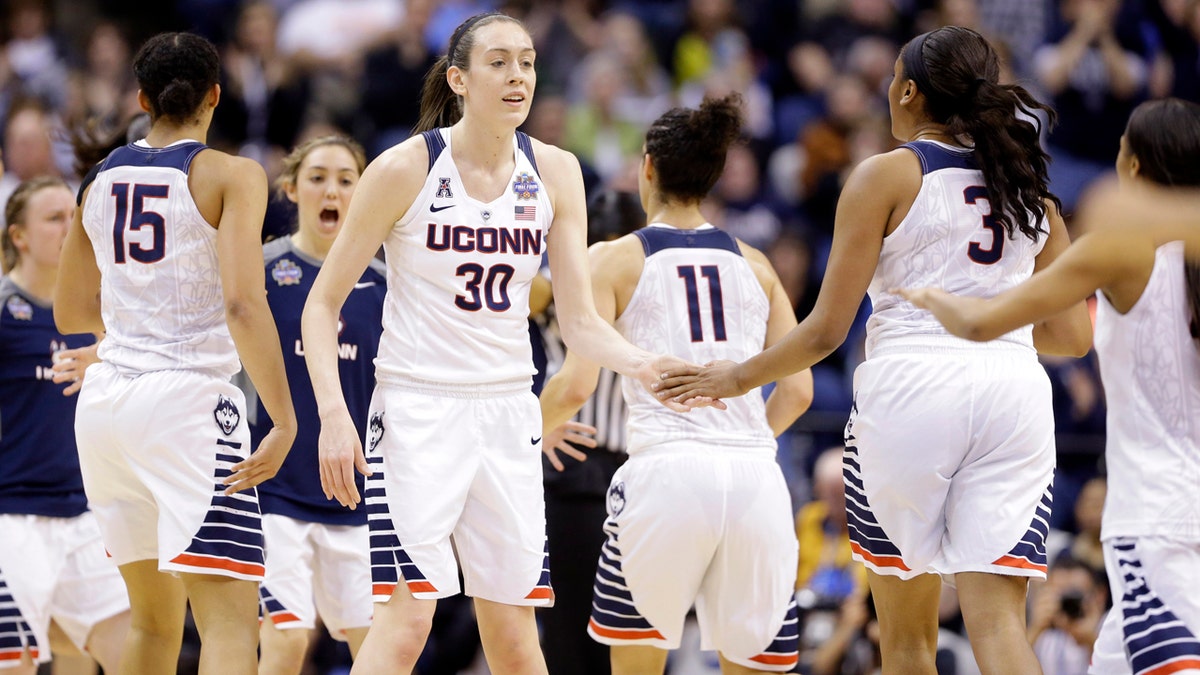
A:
526, 146
435, 144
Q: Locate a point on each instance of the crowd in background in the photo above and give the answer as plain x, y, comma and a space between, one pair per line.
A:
814, 75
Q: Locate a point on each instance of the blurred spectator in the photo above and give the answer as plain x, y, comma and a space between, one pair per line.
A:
1084, 546
547, 122
594, 131
647, 93
855, 19
28, 146
745, 209
1079, 420
1178, 23
1021, 25
33, 55
1093, 68
827, 574
103, 93
263, 98
1064, 616
393, 75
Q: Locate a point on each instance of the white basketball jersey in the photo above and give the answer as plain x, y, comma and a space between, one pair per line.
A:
948, 240
697, 299
459, 272
1151, 371
160, 289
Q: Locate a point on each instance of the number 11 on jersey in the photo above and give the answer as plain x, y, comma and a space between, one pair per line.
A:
712, 275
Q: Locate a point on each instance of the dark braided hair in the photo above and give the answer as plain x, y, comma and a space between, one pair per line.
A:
688, 146
958, 72
176, 71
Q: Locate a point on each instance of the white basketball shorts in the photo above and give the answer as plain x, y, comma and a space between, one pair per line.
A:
153, 450
457, 470
53, 568
316, 568
949, 462
707, 526
1154, 623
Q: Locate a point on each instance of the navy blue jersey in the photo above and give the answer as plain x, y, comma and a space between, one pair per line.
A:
295, 491
37, 423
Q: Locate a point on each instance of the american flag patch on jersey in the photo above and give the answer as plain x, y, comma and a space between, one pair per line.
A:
524, 212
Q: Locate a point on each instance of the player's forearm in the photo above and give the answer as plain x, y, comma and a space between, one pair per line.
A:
318, 330
257, 340
598, 342
788, 401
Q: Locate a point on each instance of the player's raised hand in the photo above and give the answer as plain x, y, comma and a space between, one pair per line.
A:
263, 463
556, 441
694, 386
340, 452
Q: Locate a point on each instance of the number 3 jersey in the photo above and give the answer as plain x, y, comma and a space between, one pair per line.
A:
160, 290
459, 272
698, 299
948, 240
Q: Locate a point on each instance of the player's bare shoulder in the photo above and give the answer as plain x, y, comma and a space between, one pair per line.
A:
215, 177
558, 168
761, 265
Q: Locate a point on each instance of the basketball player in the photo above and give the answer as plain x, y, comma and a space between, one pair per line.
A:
317, 555
464, 211
700, 513
172, 229
52, 563
950, 444
1147, 325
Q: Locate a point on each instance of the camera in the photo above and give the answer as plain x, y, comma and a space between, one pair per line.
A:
1070, 603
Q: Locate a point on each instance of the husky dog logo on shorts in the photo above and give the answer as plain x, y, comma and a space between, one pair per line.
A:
616, 499
374, 430
226, 414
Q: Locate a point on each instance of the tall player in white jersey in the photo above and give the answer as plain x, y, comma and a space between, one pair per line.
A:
165, 255
950, 445
1147, 327
464, 210
700, 513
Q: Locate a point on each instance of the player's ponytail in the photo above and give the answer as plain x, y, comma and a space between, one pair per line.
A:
958, 72
1164, 136
688, 147
440, 106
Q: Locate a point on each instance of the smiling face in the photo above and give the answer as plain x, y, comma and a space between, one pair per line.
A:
324, 183
501, 78
38, 238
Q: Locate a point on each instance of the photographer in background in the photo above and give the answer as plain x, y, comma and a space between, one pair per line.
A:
1065, 615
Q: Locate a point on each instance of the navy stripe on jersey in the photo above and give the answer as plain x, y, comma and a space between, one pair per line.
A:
389, 561
1030, 552
435, 144
270, 606
526, 146
784, 650
935, 157
230, 541
655, 239
543, 590
614, 615
15, 634
1156, 641
867, 539
178, 156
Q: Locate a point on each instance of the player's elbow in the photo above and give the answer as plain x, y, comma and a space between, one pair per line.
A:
240, 310
577, 393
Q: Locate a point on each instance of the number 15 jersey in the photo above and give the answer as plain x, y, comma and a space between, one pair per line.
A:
160, 294
459, 272
947, 240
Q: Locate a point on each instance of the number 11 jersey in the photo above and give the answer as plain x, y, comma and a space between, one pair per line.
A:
459, 272
160, 297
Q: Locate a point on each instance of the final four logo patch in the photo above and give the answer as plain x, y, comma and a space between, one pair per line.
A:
226, 414
19, 308
286, 272
374, 430
525, 187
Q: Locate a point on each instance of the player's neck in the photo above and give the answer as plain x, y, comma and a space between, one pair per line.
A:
481, 146
164, 133
932, 132
35, 280
677, 216
312, 247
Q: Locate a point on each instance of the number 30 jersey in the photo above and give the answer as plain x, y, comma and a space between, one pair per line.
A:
947, 240
160, 291
698, 299
459, 272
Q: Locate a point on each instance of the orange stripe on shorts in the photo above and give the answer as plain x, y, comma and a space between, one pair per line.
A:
1020, 563
541, 593
624, 633
881, 561
1175, 667
219, 563
777, 659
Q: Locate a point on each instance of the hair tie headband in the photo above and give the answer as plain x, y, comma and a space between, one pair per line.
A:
462, 30
914, 63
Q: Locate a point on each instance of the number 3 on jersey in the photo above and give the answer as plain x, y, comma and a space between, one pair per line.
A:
977, 253
138, 218
709, 272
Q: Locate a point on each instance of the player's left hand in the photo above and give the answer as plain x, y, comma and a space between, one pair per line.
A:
688, 384
263, 463
561, 439
70, 365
